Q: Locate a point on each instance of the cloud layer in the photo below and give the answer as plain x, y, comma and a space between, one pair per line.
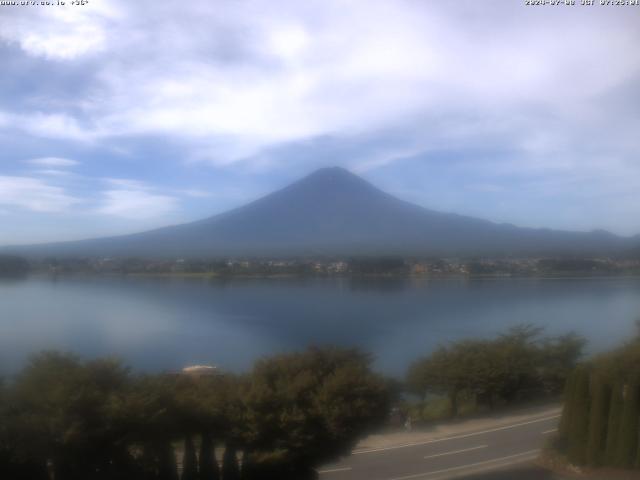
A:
507, 104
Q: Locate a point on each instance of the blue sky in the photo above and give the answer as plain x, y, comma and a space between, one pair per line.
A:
119, 116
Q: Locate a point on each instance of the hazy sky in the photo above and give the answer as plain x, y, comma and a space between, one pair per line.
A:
122, 115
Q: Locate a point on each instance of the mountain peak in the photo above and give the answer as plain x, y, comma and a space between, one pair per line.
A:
331, 174
332, 171
334, 179
333, 211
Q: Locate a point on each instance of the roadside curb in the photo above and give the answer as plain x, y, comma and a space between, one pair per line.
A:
381, 442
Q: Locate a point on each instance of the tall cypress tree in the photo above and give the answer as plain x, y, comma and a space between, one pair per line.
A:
613, 423
628, 436
565, 420
230, 469
209, 469
189, 461
601, 396
249, 468
167, 468
579, 420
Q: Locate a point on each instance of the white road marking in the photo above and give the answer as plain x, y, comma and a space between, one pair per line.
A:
456, 451
553, 430
334, 470
472, 465
455, 437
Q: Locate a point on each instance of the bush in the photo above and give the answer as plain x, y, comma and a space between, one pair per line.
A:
516, 366
95, 421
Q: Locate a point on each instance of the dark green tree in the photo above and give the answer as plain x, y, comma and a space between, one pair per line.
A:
558, 358
628, 430
209, 469
230, 468
67, 414
578, 427
167, 468
189, 460
616, 406
601, 396
516, 366
565, 419
250, 471
520, 358
447, 371
304, 409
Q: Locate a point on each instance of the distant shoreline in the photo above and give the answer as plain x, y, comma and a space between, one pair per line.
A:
218, 276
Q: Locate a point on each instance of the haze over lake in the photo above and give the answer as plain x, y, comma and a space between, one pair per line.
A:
155, 324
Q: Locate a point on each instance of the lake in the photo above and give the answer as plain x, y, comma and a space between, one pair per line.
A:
166, 323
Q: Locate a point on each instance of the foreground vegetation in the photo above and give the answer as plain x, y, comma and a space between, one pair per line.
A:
65, 419
482, 374
600, 425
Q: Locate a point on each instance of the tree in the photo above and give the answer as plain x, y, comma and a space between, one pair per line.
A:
211, 407
437, 374
303, 409
578, 428
613, 423
520, 358
167, 468
559, 357
565, 420
66, 413
601, 396
250, 471
464, 367
628, 430
153, 421
15, 463
515, 366
230, 468
208, 465
189, 460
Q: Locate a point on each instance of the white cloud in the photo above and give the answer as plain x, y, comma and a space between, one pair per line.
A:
127, 183
136, 204
53, 162
62, 32
51, 172
232, 82
54, 125
34, 194
195, 193
245, 77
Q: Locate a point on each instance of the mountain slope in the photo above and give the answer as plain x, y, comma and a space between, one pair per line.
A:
333, 211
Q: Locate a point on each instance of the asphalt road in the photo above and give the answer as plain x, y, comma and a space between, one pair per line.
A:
504, 452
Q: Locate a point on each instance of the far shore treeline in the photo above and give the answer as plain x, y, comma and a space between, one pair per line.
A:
64, 418
370, 265
13, 266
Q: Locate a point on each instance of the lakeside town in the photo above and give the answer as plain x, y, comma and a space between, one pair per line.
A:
376, 266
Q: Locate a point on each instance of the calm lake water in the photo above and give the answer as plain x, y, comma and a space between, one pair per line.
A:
166, 323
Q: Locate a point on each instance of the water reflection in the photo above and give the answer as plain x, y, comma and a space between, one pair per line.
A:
158, 323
